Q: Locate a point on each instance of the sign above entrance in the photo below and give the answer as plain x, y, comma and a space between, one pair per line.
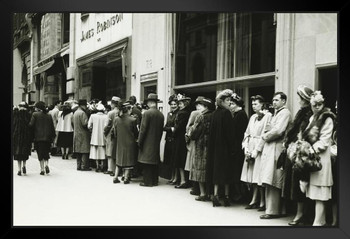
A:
100, 30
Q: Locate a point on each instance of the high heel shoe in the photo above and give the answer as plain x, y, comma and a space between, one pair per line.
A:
216, 202
298, 222
24, 169
227, 201
252, 206
19, 173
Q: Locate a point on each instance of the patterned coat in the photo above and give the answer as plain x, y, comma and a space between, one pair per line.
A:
21, 135
81, 138
200, 134
273, 137
151, 132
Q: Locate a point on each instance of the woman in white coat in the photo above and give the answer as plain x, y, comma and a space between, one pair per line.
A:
319, 134
252, 145
97, 123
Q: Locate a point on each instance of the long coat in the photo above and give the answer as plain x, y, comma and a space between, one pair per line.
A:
200, 135
321, 143
111, 140
97, 122
151, 132
81, 138
252, 141
273, 137
191, 146
21, 135
180, 153
240, 122
169, 138
42, 124
220, 163
125, 129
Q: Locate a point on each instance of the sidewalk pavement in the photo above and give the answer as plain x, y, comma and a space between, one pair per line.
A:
67, 197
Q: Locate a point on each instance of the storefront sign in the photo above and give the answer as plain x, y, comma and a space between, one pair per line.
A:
99, 30
101, 26
50, 39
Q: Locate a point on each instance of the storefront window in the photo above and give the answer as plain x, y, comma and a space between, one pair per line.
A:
211, 47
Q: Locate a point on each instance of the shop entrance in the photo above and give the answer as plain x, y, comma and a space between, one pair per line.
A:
328, 79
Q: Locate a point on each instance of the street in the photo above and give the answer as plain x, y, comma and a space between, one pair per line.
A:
67, 197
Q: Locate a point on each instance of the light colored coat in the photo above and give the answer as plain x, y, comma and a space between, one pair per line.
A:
65, 124
273, 147
97, 123
322, 147
81, 138
251, 171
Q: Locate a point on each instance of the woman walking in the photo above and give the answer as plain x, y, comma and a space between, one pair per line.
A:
125, 129
96, 124
252, 145
44, 134
200, 135
220, 163
65, 130
319, 134
22, 143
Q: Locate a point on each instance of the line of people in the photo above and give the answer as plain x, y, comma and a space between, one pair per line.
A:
215, 150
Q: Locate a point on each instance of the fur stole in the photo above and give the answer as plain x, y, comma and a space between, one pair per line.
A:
311, 134
299, 123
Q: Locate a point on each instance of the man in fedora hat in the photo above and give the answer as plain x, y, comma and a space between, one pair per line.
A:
81, 136
151, 131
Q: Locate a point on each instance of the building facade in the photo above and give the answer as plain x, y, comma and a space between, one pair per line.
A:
98, 55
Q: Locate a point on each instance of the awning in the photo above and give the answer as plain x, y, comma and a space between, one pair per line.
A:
38, 70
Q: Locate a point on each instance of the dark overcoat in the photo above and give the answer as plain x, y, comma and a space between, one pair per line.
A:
126, 132
151, 132
180, 152
240, 123
21, 135
81, 138
220, 165
169, 138
42, 125
111, 140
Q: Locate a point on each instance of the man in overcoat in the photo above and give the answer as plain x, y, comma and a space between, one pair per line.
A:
272, 177
81, 138
151, 131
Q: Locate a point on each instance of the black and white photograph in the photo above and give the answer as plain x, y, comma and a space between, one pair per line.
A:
175, 119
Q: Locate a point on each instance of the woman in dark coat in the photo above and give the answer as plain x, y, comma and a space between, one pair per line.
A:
240, 123
44, 134
220, 163
21, 136
125, 129
179, 131
290, 188
166, 168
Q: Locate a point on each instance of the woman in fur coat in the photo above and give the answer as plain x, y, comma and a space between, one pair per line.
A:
22, 138
221, 148
319, 134
290, 188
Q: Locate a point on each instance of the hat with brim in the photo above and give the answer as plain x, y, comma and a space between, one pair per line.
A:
23, 104
304, 92
237, 99
181, 97
204, 101
100, 107
151, 97
172, 98
115, 99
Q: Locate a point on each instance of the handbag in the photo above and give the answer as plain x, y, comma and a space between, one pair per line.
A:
306, 161
282, 159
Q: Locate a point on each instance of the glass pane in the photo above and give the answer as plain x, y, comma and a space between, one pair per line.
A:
196, 48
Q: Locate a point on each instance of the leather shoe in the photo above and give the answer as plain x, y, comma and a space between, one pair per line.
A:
202, 198
192, 192
116, 180
145, 185
252, 206
183, 185
269, 216
263, 208
298, 222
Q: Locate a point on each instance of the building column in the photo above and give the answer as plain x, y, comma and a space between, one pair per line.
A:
285, 32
